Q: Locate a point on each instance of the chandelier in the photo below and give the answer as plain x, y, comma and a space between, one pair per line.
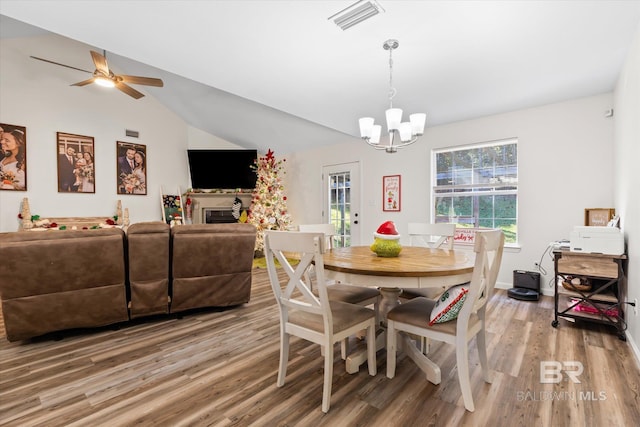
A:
401, 133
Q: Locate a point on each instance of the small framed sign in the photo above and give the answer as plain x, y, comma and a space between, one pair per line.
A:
391, 193
598, 216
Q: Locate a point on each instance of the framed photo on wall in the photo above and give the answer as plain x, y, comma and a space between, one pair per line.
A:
13, 166
131, 168
76, 163
391, 193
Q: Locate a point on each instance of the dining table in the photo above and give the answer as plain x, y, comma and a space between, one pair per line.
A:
414, 267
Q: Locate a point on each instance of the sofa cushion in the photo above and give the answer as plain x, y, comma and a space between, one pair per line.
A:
211, 265
148, 267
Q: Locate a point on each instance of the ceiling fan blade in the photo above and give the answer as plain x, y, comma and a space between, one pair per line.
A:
101, 62
84, 82
62, 65
129, 90
136, 80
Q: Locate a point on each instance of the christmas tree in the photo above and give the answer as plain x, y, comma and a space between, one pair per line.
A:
268, 202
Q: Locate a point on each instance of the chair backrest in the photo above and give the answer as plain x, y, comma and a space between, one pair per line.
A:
488, 249
293, 292
329, 231
431, 235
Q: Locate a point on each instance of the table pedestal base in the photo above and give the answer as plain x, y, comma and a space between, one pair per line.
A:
427, 366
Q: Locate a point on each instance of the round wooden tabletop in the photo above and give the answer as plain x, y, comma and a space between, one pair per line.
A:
413, 261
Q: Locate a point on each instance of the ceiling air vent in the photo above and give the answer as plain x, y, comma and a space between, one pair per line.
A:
356, 13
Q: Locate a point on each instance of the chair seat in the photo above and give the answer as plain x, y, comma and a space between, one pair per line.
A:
350, 293
344, 316
411, 293
416, 313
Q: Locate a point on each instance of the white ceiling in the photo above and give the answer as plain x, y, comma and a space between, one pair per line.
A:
249, 71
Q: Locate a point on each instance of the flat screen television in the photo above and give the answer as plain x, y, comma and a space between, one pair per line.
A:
222, 169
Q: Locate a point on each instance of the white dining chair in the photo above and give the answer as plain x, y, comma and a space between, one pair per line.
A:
434, 236
308, 315
352, 294
413, 317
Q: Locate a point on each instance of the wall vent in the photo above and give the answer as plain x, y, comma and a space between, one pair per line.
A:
132, 133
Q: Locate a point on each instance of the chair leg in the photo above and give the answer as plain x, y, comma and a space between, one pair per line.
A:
424, 345
487, 374
392, 341
344, 348
371, 350
284, 358
462, 359
328, 377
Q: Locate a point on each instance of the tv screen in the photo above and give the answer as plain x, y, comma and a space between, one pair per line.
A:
222, 169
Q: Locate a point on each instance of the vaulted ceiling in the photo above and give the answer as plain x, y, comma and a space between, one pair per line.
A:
280, 74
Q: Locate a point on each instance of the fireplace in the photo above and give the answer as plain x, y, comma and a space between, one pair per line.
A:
215, 208
218, 216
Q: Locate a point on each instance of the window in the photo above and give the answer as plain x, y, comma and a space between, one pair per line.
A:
340, 207
477, 186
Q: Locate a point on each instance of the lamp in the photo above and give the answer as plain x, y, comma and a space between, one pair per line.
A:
407, 132
104, 81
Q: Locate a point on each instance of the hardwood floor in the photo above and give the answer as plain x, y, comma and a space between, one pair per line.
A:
219, 367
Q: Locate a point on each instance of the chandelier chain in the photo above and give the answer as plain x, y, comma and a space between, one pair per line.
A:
392, 90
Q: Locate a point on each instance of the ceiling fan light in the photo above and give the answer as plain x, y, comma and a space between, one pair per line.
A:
104, 82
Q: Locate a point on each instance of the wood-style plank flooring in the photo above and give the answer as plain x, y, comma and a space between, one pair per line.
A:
219, 367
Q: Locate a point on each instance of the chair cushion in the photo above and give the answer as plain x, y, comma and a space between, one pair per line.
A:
415, 313
411, 293
351, 293
344, 316
449, 304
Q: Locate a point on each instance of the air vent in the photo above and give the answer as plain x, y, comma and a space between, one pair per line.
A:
132, 133
356, 13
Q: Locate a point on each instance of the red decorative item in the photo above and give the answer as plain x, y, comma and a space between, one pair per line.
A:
388, 228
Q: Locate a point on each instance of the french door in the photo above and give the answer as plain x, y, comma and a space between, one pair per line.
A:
341, 201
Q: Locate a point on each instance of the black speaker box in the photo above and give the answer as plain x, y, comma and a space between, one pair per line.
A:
526, 285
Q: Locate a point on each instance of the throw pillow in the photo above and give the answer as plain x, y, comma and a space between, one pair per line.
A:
449, 304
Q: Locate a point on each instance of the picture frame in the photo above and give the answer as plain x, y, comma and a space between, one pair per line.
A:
131, 168
13, 163
598, 216
391, 193
76, 163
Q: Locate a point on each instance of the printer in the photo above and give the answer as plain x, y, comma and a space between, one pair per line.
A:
597, 240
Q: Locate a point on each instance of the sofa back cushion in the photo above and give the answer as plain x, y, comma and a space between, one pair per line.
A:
54, 280
211, 265
148, 266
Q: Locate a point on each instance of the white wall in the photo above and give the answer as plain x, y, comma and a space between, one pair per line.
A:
627, 177
37, 95
565, 155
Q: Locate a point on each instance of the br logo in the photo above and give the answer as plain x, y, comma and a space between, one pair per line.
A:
551, 371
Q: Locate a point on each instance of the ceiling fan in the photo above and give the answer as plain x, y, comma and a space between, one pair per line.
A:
105, 77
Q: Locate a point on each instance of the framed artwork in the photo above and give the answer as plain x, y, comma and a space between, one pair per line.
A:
391, 193
76, 163
13, 166
131, 168
598, 216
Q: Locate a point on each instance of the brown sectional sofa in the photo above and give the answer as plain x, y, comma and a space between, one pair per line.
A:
56, 280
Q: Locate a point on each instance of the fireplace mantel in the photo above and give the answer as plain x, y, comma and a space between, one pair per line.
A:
222, 201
